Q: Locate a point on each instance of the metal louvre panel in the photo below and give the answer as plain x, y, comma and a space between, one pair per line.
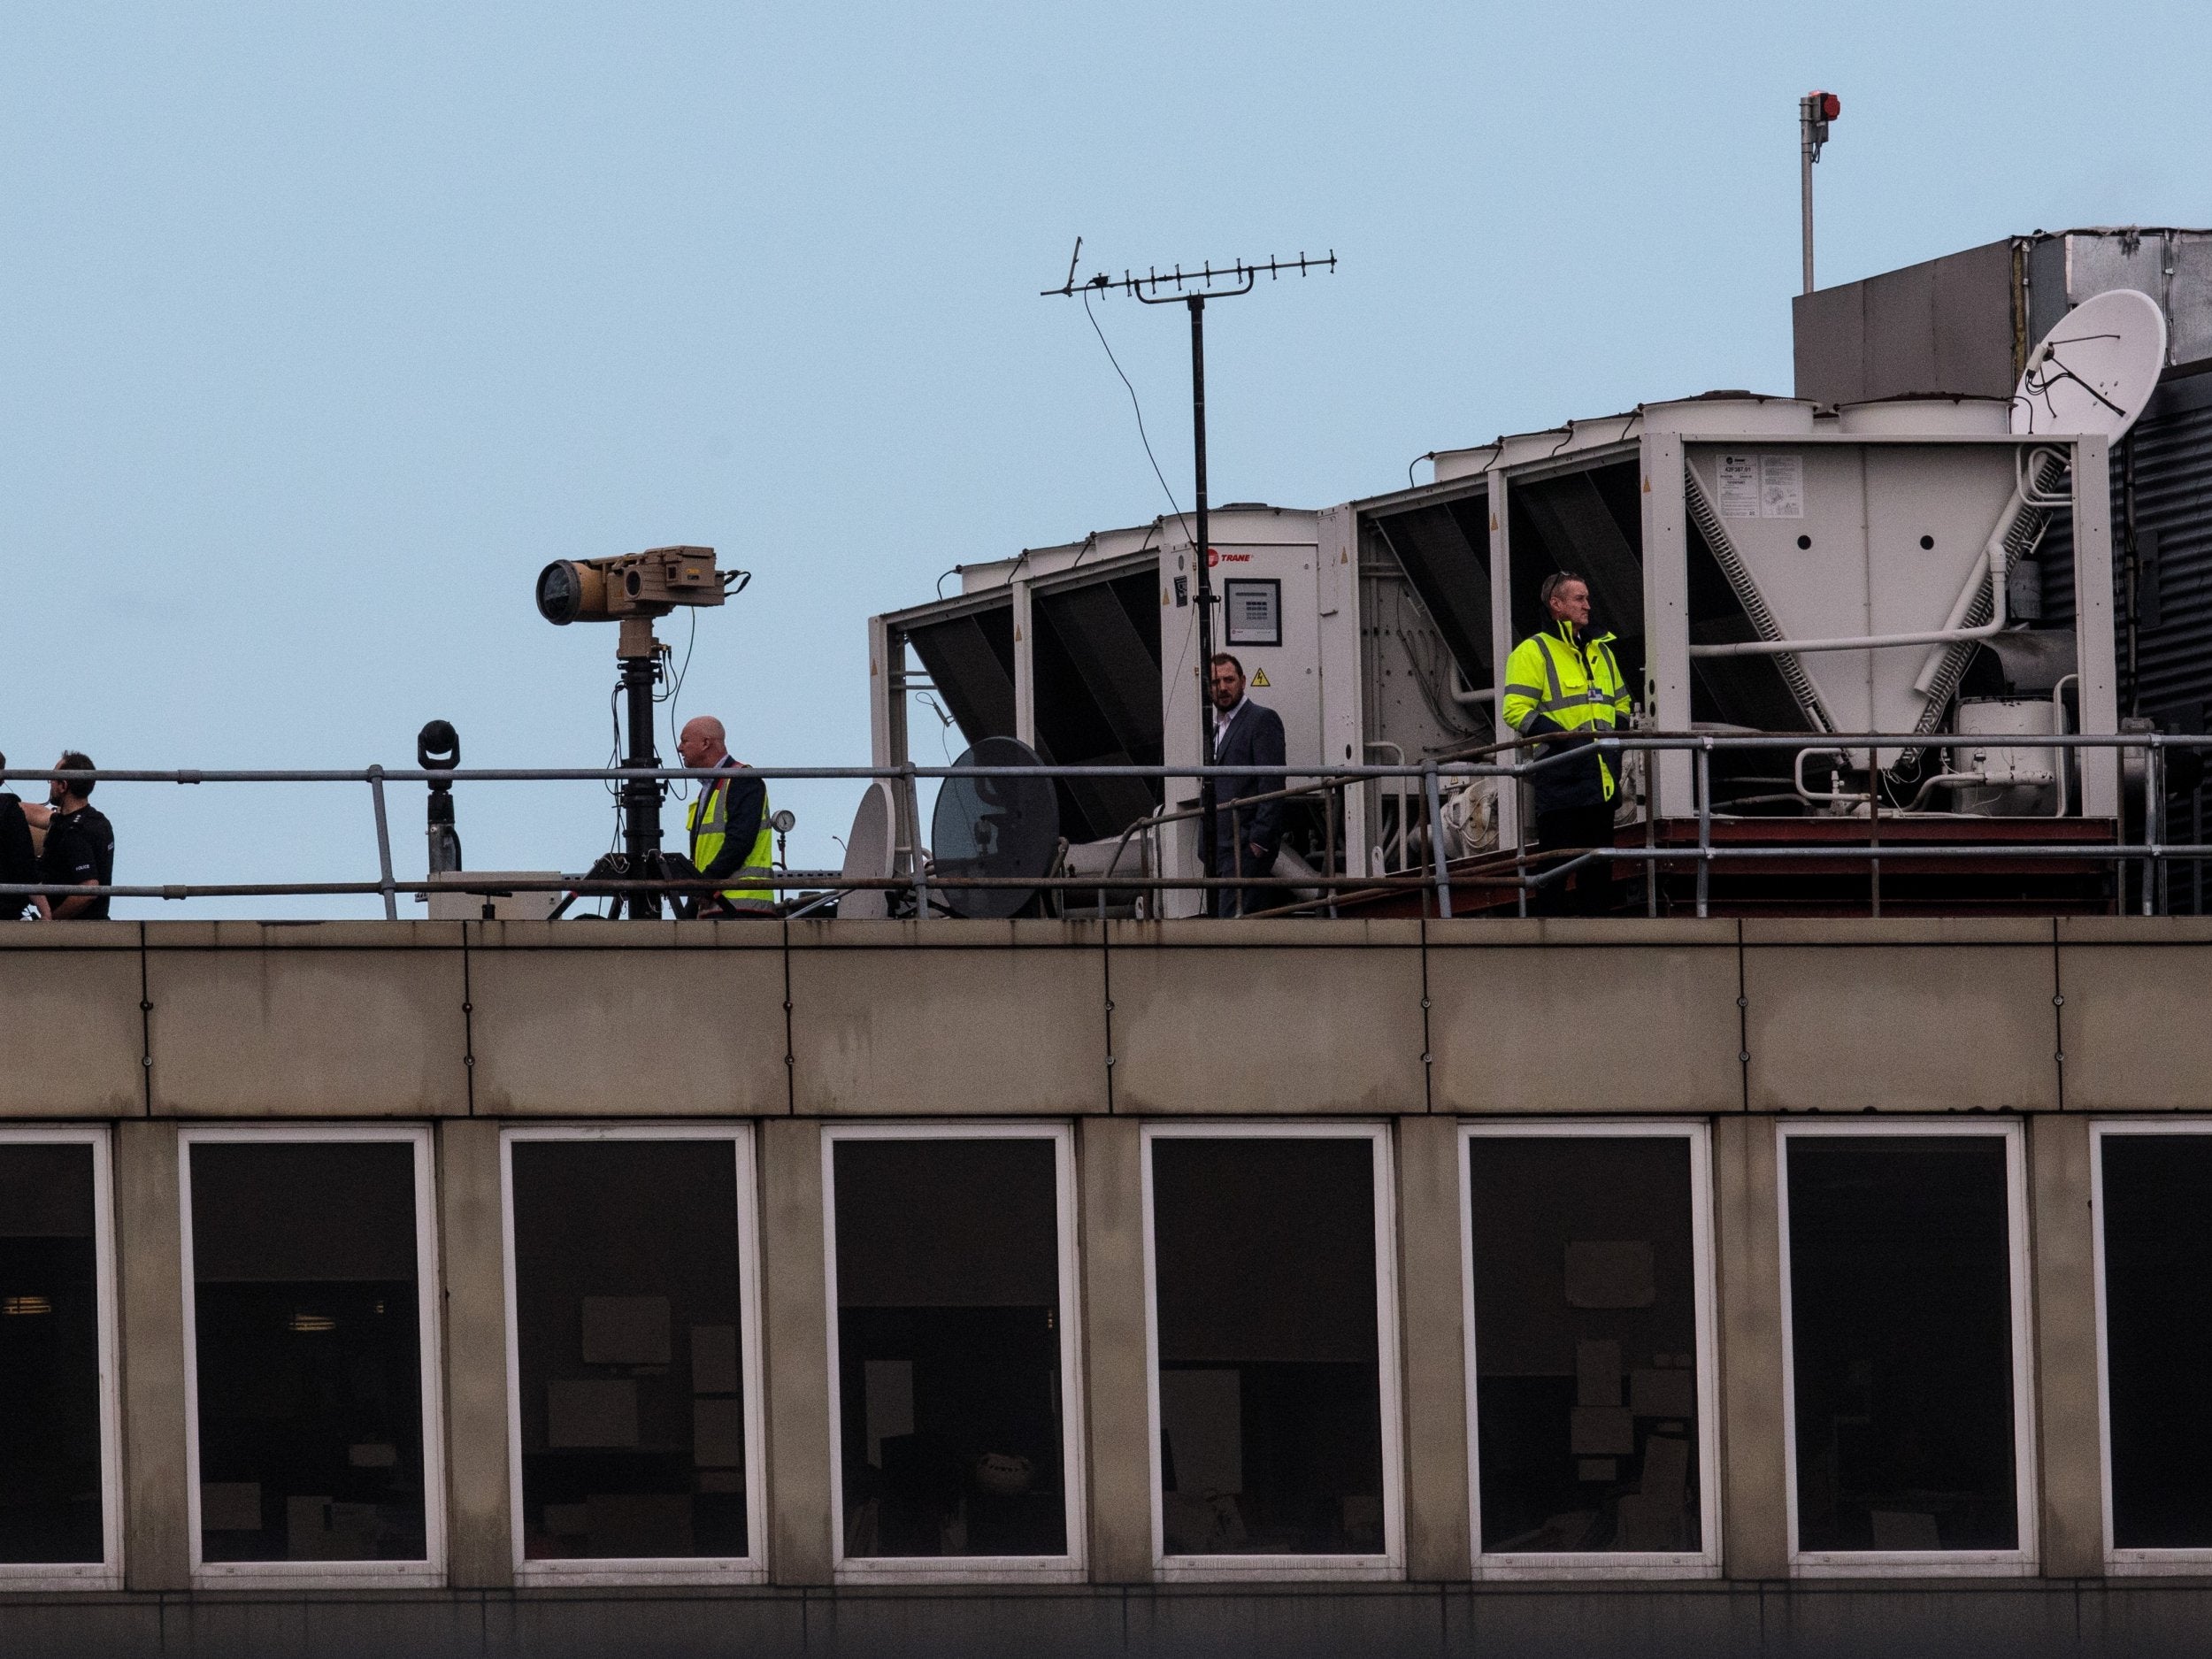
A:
2173, 500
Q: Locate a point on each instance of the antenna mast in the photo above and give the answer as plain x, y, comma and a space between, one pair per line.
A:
1194, 289
1815, 111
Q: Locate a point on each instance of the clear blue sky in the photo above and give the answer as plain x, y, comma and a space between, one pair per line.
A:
325, 327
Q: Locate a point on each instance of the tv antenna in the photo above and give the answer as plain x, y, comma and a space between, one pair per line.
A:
1194, 289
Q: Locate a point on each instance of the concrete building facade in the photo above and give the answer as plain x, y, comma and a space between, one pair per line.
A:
1744, 1043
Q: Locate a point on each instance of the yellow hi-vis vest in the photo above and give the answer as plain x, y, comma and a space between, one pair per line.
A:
1575, 684
708, 819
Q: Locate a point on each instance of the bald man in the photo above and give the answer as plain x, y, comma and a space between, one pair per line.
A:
730, 834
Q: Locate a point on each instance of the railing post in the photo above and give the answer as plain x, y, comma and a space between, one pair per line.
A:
914, 842
1704, 823
383, 845
1436, 837
1328, 797
2153, 810
1651, 839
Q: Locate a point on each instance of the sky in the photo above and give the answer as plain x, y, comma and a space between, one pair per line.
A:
322, 329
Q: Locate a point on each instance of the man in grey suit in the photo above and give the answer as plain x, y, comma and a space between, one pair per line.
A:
1246, 840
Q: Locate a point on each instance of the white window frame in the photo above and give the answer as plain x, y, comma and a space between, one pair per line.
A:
328, 1575
1606, 1563
1064, 1568
2127, 1563
751, 1568
1925, 1564
107, 1572
1312, 1569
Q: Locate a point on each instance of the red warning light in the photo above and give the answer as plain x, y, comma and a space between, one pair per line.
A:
1830, 105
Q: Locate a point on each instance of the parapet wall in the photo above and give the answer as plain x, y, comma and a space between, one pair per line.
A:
435, 1020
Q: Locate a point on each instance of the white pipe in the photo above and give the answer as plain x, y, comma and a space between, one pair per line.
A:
2058, 729
1950, 635
1468, 697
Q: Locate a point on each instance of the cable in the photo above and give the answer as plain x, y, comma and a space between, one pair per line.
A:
681, 789
1141, 435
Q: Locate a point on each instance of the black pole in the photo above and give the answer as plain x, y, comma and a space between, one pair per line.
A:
639, 655
1203, 553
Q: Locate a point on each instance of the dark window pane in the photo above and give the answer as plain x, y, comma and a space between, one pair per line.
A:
49, 1356
627, 1329
948, 1348
1271, 1406
309, 1349
1585, 1343
1901, 1320
2158, 1337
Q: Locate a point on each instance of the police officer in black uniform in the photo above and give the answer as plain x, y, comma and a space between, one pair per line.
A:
18, 864
80, 846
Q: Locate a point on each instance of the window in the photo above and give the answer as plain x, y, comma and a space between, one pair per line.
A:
311, 1399
1590, 1351
634, 1349
1274, 1376
953, 1359
1906, 1362
60, 1522
2153, 1206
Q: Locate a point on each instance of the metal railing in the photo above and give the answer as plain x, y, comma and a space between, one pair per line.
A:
1530, 870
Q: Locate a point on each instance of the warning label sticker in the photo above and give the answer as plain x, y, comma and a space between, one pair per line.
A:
1781, 487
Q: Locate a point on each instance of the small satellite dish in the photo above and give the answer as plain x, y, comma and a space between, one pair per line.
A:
2095, 369
868, 856
995, 826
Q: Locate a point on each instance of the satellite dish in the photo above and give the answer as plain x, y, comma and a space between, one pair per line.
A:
995, 826
868, 856
2095, 369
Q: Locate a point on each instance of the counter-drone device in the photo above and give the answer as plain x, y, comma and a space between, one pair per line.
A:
636, 590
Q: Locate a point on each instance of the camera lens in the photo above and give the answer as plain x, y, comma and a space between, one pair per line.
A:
560, 593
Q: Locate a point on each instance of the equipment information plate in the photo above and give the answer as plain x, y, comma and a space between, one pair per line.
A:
1740, 486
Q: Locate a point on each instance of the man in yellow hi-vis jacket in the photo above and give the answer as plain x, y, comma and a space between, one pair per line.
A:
731, 836
1565, 680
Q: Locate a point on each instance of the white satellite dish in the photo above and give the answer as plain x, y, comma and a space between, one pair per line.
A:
2095, 370
868, 856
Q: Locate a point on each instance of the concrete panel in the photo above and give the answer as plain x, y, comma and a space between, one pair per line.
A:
480, 1548
1966, 1622
948, 1017
2071, 1488
633, 1026
2136, 1036
1268, 1016
1288, 1621
1901, 1018
72, 1040
1433, 1337
665, 1624
1755, 1497
1109, 1165
248, 1030
795, 1312
975, 1623
1567, 1621
149, 1235
1584, 1017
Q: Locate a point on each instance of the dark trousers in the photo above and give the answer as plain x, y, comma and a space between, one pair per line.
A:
1237, 860
1592, 894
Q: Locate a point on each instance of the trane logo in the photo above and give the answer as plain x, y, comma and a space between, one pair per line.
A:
1215, 555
